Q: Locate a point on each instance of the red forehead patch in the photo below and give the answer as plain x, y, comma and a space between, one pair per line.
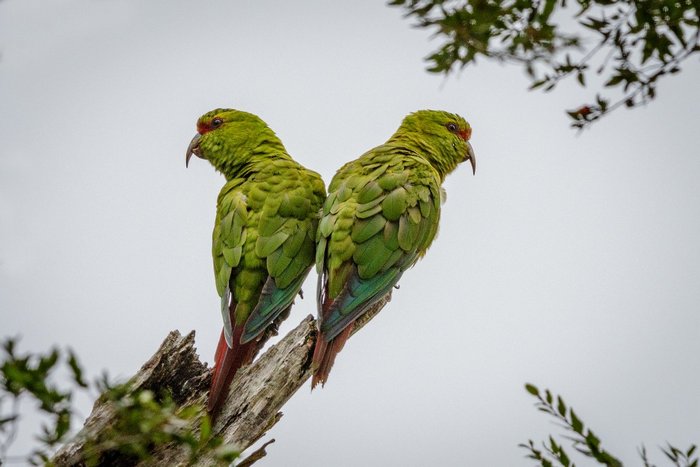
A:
203, 127
465, 134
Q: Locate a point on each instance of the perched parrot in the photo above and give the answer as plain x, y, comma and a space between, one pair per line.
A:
380, 217
264, 234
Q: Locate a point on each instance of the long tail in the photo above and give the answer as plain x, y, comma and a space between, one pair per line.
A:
324, 355
227, 362
326, 350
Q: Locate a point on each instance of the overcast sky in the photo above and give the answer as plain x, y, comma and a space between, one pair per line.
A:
570, 261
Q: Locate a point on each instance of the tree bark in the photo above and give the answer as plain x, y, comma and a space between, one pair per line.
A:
255, 398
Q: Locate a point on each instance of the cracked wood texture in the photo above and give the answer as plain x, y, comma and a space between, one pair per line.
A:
255, 398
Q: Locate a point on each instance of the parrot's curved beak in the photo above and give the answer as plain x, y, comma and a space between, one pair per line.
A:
471, 156
193, 148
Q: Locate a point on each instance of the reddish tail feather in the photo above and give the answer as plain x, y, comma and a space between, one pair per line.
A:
227, 362
324, 355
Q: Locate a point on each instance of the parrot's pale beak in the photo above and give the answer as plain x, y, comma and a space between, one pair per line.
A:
472, 157
193, 148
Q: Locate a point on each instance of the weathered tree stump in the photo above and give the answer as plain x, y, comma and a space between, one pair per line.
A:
256, 396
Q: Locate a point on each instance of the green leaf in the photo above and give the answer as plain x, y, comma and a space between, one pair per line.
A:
48, 362
547, 11
204, 428
613, 81
561, 407
76, 369
538, 84
576, 422
592, 440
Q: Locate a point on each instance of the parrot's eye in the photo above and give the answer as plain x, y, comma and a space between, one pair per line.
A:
452, 127
216, 122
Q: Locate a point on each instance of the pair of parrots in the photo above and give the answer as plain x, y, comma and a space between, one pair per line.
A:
274, 222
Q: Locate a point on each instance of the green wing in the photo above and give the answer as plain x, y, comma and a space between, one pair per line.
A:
286, 242
264, 243
229, 238
380, 217
289, 255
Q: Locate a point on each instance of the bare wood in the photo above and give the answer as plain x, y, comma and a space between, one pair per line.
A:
174, 367
253, 406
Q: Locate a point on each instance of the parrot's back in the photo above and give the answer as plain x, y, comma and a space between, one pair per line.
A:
263, 249
380, 217
264, 233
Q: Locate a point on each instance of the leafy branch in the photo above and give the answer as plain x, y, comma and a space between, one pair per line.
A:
632, 43
30, 374
583, 440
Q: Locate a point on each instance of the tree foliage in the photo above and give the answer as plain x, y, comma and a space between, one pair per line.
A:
583, 440
145, 419
631, 44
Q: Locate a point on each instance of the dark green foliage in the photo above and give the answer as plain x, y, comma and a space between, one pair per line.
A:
29, 374
583, 440
679, 458
144, 419
634, 42
146, 422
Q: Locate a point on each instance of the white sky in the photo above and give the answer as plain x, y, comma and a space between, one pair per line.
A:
569, 261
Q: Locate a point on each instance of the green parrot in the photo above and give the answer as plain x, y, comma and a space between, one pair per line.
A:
380, 217
267, 215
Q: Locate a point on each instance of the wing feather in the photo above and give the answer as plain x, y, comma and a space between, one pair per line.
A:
386, 224
228, 240
287, 244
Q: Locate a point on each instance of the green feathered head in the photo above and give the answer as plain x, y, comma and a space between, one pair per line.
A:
227, 138
441, 137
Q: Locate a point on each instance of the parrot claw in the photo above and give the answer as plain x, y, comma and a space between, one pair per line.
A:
271, 331
397, 286
193, 148
301, 294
